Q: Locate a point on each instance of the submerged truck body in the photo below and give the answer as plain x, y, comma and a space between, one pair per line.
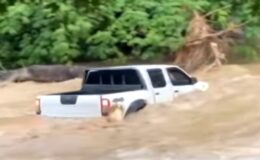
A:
133, 87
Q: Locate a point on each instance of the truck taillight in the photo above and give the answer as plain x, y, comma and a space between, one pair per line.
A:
105, 106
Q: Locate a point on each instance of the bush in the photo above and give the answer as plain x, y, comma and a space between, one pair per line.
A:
65, 31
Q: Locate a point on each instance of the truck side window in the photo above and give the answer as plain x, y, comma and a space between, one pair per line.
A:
178, 77
157, 78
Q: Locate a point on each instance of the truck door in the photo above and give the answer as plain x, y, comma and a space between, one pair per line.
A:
162, 92
181, 82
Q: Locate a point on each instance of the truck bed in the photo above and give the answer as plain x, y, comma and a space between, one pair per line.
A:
82, 103
102, 89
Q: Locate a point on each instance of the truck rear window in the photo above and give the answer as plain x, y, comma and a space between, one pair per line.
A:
114, 77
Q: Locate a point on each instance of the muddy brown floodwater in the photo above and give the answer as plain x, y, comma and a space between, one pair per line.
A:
219, 124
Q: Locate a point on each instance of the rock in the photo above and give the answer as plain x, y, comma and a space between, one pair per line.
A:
43, 73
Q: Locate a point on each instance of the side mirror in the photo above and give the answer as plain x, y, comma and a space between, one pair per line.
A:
194, 80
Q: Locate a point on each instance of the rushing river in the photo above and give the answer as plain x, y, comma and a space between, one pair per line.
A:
219, 124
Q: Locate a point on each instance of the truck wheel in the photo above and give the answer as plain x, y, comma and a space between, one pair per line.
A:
135, 107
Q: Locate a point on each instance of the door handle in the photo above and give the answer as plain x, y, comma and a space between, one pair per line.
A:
176, 91
121, 99
157, 93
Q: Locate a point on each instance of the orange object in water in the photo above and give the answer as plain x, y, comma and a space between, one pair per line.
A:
116, 113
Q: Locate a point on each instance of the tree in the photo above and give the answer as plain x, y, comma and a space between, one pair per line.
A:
65, 31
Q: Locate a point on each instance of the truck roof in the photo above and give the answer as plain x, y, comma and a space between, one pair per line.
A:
138, 66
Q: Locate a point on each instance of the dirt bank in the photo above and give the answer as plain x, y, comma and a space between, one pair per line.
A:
219, 123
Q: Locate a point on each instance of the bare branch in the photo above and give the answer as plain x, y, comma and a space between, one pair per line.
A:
216, 10
216, 34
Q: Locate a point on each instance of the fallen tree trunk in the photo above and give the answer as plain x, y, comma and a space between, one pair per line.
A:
43, 73
205, 48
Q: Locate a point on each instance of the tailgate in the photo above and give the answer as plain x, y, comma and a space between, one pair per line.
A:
70, 106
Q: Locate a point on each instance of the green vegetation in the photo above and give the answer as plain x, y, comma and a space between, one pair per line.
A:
66, 31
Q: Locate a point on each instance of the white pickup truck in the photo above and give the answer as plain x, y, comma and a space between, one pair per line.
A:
134, 86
